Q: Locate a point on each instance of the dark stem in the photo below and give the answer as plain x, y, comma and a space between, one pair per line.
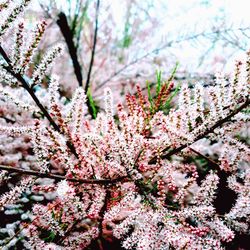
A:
205, 133
102, 212
4, 55
226, 197
90, 109
212, 162
61, 177
68, 36
93, 48
7, 119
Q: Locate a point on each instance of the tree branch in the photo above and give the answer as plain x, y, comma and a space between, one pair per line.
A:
68, 36
102, 212
8, 120
205, 133
90, 109
61, 177
27, 87
212, 162
93, 48
223, 189
4, 55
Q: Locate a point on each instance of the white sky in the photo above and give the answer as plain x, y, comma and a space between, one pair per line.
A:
180, 16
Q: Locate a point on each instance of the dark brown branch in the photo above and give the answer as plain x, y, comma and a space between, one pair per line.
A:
101, 214
27, 87
7, 119
104, 208
223, 189
61, 177
212, 162
68, 36
4, 55
90, 109
204, 134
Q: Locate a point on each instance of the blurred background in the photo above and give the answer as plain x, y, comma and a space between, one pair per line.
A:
136, 38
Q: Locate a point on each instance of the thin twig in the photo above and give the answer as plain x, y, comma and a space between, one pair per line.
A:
61, 177
212, 162
8, 120
90, 108
27, 87
102, 212
93, 48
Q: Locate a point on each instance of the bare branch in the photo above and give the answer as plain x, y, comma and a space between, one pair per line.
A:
212, 162
91, 112
93, 48
68, 36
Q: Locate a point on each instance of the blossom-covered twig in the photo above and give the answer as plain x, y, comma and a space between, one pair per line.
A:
61, 177
204, 134
26, 86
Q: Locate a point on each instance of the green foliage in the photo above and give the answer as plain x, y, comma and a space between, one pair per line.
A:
80, 23
77, 18
117, 198
47, 235
161, 85
159, 82
167, 105
127, 39
150, 98
170, 202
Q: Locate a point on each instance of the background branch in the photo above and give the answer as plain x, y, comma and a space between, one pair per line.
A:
68, 36
90, 108
93, 48
166, 45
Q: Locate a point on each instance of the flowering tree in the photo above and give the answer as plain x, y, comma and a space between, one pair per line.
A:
134, 173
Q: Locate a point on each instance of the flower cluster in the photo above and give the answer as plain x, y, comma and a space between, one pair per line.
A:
159, 198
